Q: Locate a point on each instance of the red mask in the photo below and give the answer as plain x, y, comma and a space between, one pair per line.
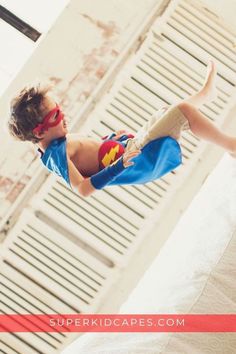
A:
45, 125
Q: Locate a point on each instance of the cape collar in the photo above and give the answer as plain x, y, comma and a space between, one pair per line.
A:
55, 158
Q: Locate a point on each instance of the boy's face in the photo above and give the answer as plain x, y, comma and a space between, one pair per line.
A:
56, 131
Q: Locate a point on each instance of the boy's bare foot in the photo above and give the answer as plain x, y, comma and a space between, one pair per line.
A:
209, 89
233, 148
233, 154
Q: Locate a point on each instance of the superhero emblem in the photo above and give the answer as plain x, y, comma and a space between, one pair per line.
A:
109, 152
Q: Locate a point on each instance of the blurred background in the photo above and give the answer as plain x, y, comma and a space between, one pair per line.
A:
111, 65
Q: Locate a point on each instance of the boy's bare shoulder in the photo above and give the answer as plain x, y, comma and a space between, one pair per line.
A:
71, 143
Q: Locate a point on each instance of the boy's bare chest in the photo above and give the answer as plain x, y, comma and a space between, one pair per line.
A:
83, 152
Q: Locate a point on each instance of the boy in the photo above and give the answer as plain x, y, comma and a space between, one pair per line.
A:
88, 164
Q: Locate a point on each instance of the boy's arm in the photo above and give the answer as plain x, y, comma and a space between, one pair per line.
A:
120, 133
117, 135
82, 185
87, 186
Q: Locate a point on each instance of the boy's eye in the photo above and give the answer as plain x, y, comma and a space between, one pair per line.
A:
56, 115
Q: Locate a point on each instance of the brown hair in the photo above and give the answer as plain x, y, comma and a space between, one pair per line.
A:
26, 113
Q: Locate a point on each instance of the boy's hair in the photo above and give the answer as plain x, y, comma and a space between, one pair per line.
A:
26, 113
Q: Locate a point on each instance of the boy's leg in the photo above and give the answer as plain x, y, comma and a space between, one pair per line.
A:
186, 116
180, 117
208, 91
202, 127
169, 121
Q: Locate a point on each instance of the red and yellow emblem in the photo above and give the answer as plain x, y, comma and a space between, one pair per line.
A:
109, 152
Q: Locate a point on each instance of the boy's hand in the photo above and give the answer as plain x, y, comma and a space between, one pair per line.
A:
119, 133
129, 155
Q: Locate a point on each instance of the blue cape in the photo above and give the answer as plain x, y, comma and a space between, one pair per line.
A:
157, 158
55, 159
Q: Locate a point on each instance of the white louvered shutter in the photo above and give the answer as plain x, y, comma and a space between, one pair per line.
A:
66, 251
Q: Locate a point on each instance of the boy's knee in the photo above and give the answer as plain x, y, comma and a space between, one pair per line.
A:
185, 107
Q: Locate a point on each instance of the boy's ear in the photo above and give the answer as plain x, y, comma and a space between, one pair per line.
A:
39, 135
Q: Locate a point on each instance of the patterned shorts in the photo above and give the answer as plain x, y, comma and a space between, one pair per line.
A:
167, 121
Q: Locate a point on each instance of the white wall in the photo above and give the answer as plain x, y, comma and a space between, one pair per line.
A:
80, 47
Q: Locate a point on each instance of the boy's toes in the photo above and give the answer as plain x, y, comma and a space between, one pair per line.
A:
233, 154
